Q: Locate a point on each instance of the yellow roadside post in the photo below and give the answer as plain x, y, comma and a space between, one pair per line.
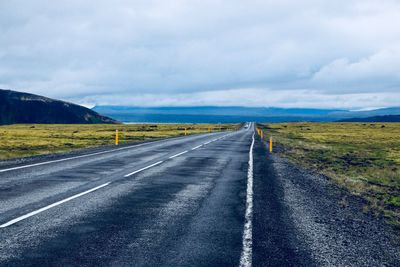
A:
262, 134
270, 144
185, 131
116, 137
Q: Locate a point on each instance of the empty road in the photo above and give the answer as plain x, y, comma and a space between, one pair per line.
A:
215, 199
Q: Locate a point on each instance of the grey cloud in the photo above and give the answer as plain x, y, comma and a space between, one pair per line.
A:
81, 49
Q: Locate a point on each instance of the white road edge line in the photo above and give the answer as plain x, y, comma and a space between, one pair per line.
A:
247, 250
176, 155
145, 168
83, 156
51, 206
30, 214
77, 157
196, 147
206, 143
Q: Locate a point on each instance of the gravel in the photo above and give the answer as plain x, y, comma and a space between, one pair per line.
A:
330, 221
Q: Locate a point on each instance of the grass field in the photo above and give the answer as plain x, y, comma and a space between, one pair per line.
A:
363, 157
22, 140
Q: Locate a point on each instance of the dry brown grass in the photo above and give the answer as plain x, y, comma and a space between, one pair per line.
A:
363, 157
22, 140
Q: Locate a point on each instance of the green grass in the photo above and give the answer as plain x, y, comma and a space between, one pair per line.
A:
363, 157
23, 140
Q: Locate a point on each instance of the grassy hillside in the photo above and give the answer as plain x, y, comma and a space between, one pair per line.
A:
363, 157
24, 140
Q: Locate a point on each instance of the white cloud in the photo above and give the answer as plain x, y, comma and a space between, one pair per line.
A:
249, 97
74, 49
374, 73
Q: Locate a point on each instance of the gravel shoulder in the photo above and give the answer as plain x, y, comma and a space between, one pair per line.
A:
320, 224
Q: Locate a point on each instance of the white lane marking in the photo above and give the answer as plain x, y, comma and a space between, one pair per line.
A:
206, 143
30, 214
196, 147
247, 251
176, 155
51, 206
145, 168
77, 157
83, 156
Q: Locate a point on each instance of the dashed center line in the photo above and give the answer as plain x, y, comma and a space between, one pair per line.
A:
23, 217
176, 155
81, 156
144, 168
51, 206
196, 147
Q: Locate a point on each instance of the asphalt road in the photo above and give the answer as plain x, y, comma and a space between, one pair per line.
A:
205, 200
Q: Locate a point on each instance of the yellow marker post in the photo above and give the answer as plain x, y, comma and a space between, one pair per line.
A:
270, 144
185, 131
116, 137
262, 135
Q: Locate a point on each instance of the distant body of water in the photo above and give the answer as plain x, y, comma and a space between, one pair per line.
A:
170, 118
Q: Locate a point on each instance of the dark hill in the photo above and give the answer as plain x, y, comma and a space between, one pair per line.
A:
17, 107
385, 118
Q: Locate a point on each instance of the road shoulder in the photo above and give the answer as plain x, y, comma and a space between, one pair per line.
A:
276, 239
329, 220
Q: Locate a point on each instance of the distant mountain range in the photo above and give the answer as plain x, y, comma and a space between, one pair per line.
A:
212, 114
385, 118
17, 107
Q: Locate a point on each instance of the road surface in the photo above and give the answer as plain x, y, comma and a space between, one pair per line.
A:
215, 199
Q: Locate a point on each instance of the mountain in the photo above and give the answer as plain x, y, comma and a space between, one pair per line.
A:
213, 114
385, 118
368, 113
18, 107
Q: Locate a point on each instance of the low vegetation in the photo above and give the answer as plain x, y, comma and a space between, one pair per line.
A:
363, 157
23, 140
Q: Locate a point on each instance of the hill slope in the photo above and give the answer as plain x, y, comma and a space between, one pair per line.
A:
18, 107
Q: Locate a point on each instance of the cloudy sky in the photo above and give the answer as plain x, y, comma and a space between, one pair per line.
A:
300, 53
